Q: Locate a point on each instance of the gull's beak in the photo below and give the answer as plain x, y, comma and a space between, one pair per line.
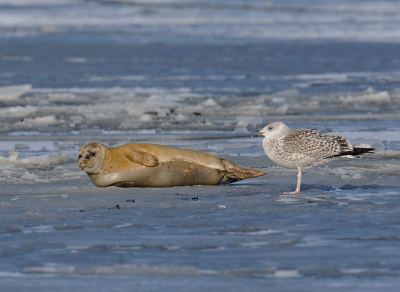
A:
258, 134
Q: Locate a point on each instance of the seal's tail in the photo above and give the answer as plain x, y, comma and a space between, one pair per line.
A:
235, 172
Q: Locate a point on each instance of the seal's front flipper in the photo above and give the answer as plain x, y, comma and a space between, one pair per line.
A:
143, 158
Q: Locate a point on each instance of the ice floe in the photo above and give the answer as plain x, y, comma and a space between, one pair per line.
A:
118, 108
54, 159
124, 269
17, 111
378, 97
13, 92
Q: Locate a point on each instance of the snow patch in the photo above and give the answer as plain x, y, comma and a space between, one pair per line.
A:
54, 159
145, 118
363, 145
246, 120
387, 153
287, 274
210, 103
13, 92
180, 118
17, 111
347, 173
379, 97
117, 270
29, 176
5, 173
287, 93
62, 97
46, 120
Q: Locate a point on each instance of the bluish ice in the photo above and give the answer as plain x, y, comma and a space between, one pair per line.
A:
198, 75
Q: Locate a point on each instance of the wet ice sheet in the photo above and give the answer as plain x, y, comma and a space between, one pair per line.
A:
341, 229
201, 75
52, 161
216, 20
337, 236
57, 226
259, 46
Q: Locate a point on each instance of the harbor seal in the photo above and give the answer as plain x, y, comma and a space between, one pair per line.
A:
151, 165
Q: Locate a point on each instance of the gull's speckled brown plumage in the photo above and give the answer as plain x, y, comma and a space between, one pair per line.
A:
303, 148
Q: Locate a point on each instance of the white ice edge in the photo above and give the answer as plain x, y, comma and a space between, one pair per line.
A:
39, 160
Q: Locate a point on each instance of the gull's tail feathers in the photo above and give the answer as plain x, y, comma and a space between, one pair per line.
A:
357, 151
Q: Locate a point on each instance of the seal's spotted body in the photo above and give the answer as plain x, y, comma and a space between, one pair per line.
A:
151, 165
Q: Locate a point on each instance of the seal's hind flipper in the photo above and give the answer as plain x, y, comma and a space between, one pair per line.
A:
235, 172
229, 177
143, 158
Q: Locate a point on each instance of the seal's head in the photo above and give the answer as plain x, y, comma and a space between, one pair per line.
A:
91, 157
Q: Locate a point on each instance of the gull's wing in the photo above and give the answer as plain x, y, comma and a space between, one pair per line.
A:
316, 144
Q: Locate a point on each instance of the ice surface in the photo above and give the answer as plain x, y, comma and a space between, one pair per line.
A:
77, 221
145, 118
201, 75
76, 59
12, 93
180, 117
29, 176
17, 111
280, 96
53, 159
46, 120
19, 146
373, 97
347, 173
210, 103
62, 97
81, 109
119, 270
249, 120
346, 21
13, 157
388, 153
37, 2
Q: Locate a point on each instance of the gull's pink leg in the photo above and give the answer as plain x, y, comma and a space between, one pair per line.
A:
297, 191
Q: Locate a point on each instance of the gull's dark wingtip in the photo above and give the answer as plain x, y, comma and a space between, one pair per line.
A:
357, 151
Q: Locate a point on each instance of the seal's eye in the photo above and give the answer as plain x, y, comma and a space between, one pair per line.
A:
80, 156
92, 154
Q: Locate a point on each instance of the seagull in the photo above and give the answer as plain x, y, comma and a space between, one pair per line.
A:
303, 148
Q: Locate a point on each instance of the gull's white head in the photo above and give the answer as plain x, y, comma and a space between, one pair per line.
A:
271, 130
91, 157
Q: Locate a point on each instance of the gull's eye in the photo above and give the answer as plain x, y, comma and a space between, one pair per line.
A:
92, 154
80, 156
270, 128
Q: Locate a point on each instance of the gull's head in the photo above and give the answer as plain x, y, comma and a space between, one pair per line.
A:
91, 157
271, 130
